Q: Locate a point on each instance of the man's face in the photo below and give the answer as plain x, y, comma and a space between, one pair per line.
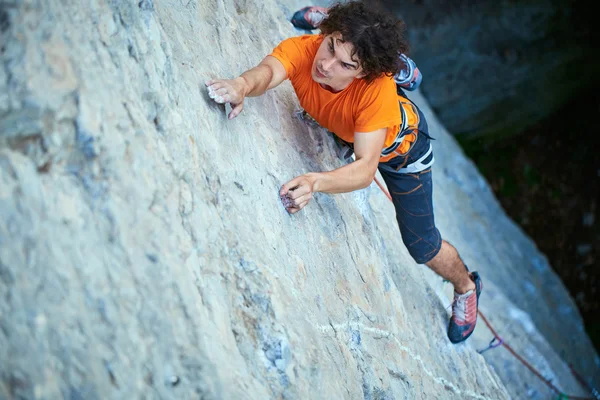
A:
333, 64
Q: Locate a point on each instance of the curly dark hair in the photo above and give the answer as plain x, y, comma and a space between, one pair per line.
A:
377, 37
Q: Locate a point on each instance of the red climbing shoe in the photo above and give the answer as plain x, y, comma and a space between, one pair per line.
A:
309, 18
464, 312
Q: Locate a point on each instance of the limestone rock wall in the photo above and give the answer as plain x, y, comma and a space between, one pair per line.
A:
144, 252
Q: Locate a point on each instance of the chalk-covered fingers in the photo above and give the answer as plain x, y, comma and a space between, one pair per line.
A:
228, 91
219, 95
223, 91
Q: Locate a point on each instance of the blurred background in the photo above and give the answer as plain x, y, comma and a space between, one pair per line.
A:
516, 82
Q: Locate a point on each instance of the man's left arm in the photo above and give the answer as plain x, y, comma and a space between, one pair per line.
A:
356, 175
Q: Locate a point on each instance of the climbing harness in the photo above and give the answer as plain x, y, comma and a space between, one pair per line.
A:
414, 167
402, 131
408, 131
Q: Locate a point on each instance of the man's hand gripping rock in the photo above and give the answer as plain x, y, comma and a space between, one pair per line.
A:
296, 194
232, 91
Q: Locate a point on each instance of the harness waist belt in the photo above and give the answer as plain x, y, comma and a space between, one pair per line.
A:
414, 167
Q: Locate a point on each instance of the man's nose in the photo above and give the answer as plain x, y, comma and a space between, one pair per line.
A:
327, 64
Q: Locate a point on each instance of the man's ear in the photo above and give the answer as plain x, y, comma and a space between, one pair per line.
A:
361, 75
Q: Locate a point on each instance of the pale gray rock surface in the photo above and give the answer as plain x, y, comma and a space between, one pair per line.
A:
144, 251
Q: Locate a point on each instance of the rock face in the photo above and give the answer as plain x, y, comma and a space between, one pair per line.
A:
496, 68
144, 251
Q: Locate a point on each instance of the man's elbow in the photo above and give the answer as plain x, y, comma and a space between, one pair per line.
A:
369, 170
366, 181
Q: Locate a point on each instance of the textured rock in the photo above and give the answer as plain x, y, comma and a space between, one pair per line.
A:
496, 68
144, 251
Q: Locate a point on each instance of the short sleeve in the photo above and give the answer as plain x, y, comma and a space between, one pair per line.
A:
292, 54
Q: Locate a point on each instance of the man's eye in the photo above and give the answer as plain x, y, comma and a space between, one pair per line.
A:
331, 47
346, 66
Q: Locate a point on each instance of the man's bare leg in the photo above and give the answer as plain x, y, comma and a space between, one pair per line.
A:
448, 265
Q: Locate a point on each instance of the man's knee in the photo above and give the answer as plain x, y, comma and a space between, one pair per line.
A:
425, 250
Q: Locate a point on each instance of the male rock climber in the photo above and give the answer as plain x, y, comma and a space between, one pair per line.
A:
343, 78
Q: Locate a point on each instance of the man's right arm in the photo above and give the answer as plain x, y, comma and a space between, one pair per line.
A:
254, 82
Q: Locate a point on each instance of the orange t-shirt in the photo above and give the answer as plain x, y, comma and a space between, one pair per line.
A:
360, 107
